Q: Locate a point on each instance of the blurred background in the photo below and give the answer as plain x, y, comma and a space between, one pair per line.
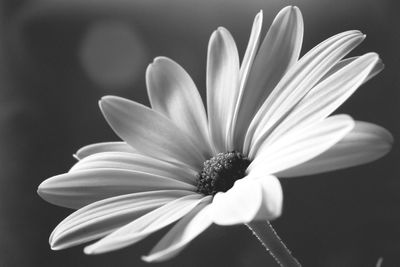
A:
58, 57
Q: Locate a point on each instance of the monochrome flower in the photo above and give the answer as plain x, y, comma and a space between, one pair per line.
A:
268, 117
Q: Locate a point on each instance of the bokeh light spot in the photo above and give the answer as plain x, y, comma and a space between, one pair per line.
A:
112, 54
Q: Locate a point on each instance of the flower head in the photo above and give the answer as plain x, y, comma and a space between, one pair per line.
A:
267, 117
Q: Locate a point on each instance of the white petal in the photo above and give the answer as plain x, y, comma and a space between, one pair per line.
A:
272, 197
245, 67
295, 85
173, 93
379, 66
251, 50
145, 225
77, 189
150, 132
135, 162
102, 217
278, 52
301, 146
183, 232
103, 147
255, 197
222, 87
365, 143
326, 96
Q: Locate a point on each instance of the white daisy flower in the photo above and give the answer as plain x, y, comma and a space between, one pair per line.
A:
267, 117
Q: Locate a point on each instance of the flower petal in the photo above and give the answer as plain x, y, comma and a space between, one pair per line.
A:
135, 162
150, 132
245, 67
326, 96
77, 189
365, 143
181, 234
278, 52
251, 198
301, 146
103, 147
105, 216
145, 225
251, 50
173, 93
222, 87
379, 66
295, 85
272, 197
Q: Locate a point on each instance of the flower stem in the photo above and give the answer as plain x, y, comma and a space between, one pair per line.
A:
272, 243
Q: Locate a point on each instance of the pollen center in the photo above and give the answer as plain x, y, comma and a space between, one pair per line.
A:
220, 172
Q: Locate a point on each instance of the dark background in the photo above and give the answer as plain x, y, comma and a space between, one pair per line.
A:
57, 58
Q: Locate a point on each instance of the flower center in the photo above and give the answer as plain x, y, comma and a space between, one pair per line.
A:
221, 171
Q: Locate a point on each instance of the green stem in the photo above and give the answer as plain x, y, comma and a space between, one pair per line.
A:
273, 244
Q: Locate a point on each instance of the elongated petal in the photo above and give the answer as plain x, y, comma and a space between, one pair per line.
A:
105, 216
222, 86
145, 225
149, 132
255, 197
251, 50
245, 67
379, 66
326, 96
365, 143
184, 231
135, 162
77, 189
295, 85
173, 93
278, 52
103, 147
301, 146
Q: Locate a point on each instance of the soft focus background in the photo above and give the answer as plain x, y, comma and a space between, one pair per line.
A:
58, 57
